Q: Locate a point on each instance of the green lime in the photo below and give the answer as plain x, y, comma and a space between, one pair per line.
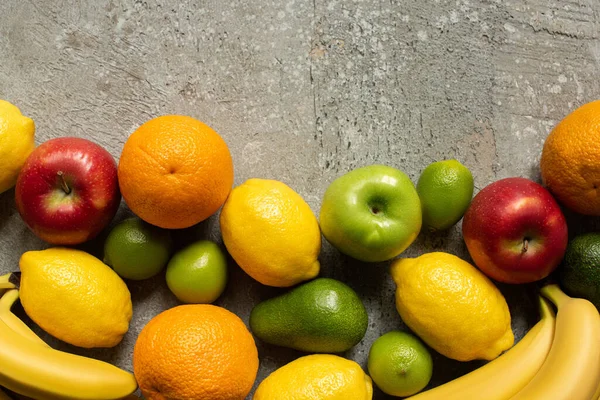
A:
137, 250
445, 189
198, 273
399, 364
580, 272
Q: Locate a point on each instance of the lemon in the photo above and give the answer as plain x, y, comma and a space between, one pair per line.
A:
75, 297
317, 377
16, 143
271, 233
445, 189
452, 306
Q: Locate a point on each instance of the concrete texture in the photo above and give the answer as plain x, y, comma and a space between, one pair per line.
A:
303, 91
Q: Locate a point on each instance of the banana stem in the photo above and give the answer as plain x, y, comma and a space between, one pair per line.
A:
555, 295
5, 282
9, 299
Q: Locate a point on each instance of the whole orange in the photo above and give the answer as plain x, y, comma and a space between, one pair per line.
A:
570, 163
175, 171
196, 351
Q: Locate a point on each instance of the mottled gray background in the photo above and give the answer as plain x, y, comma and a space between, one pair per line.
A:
303, 91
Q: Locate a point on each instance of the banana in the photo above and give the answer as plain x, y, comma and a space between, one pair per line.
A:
5, 282
38, 371
506, 375
572, 369
596, 395
13, 322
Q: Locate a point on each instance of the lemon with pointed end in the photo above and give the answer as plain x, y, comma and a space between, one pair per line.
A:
16, 143
75, 297
317, 377
452, 306
271, 233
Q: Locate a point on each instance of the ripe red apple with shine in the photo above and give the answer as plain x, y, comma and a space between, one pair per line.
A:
515, 231
67, 191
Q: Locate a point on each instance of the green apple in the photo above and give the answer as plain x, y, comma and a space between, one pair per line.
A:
372, 213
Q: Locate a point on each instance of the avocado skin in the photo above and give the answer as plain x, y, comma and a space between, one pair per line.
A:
321, 316
579, 274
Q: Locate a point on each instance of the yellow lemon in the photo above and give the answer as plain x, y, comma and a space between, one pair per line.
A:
452, 306
271, 233
16, 143
317, 377
75, 297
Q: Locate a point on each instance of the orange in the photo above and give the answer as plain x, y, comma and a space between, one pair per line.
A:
175, 171
570, 163
197, 351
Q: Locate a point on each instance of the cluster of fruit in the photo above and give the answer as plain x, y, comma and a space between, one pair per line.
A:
175, 172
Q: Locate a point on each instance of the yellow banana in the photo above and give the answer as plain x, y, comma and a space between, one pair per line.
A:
572, 369
5, 282
13, 322
38, 371
596, 395
506, 375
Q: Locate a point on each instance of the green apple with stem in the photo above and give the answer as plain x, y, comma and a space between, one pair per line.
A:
372, 213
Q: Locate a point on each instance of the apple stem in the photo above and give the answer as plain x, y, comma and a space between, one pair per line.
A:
525, 246
63, 182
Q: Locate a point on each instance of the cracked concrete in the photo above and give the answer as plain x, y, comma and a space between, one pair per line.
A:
303, 91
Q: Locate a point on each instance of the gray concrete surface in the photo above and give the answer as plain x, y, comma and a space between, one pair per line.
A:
303, 91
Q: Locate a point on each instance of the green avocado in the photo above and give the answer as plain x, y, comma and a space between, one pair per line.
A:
580, 273
321, 316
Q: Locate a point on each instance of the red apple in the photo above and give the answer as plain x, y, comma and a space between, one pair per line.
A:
67, 191
515, 231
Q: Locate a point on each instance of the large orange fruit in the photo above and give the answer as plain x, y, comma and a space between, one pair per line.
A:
195, 351
175, 171
570, 163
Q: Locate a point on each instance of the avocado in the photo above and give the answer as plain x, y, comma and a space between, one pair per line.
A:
321, 316
580, 273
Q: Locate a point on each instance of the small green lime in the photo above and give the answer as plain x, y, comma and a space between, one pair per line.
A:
580, 272
137, 250
445, 189
399, 364
198, 273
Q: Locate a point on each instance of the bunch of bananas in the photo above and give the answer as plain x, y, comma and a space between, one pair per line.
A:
558, 359
28, 366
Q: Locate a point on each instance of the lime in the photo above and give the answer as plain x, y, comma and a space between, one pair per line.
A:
137, 250
198, 273
445, 189
399, 364
580, 273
